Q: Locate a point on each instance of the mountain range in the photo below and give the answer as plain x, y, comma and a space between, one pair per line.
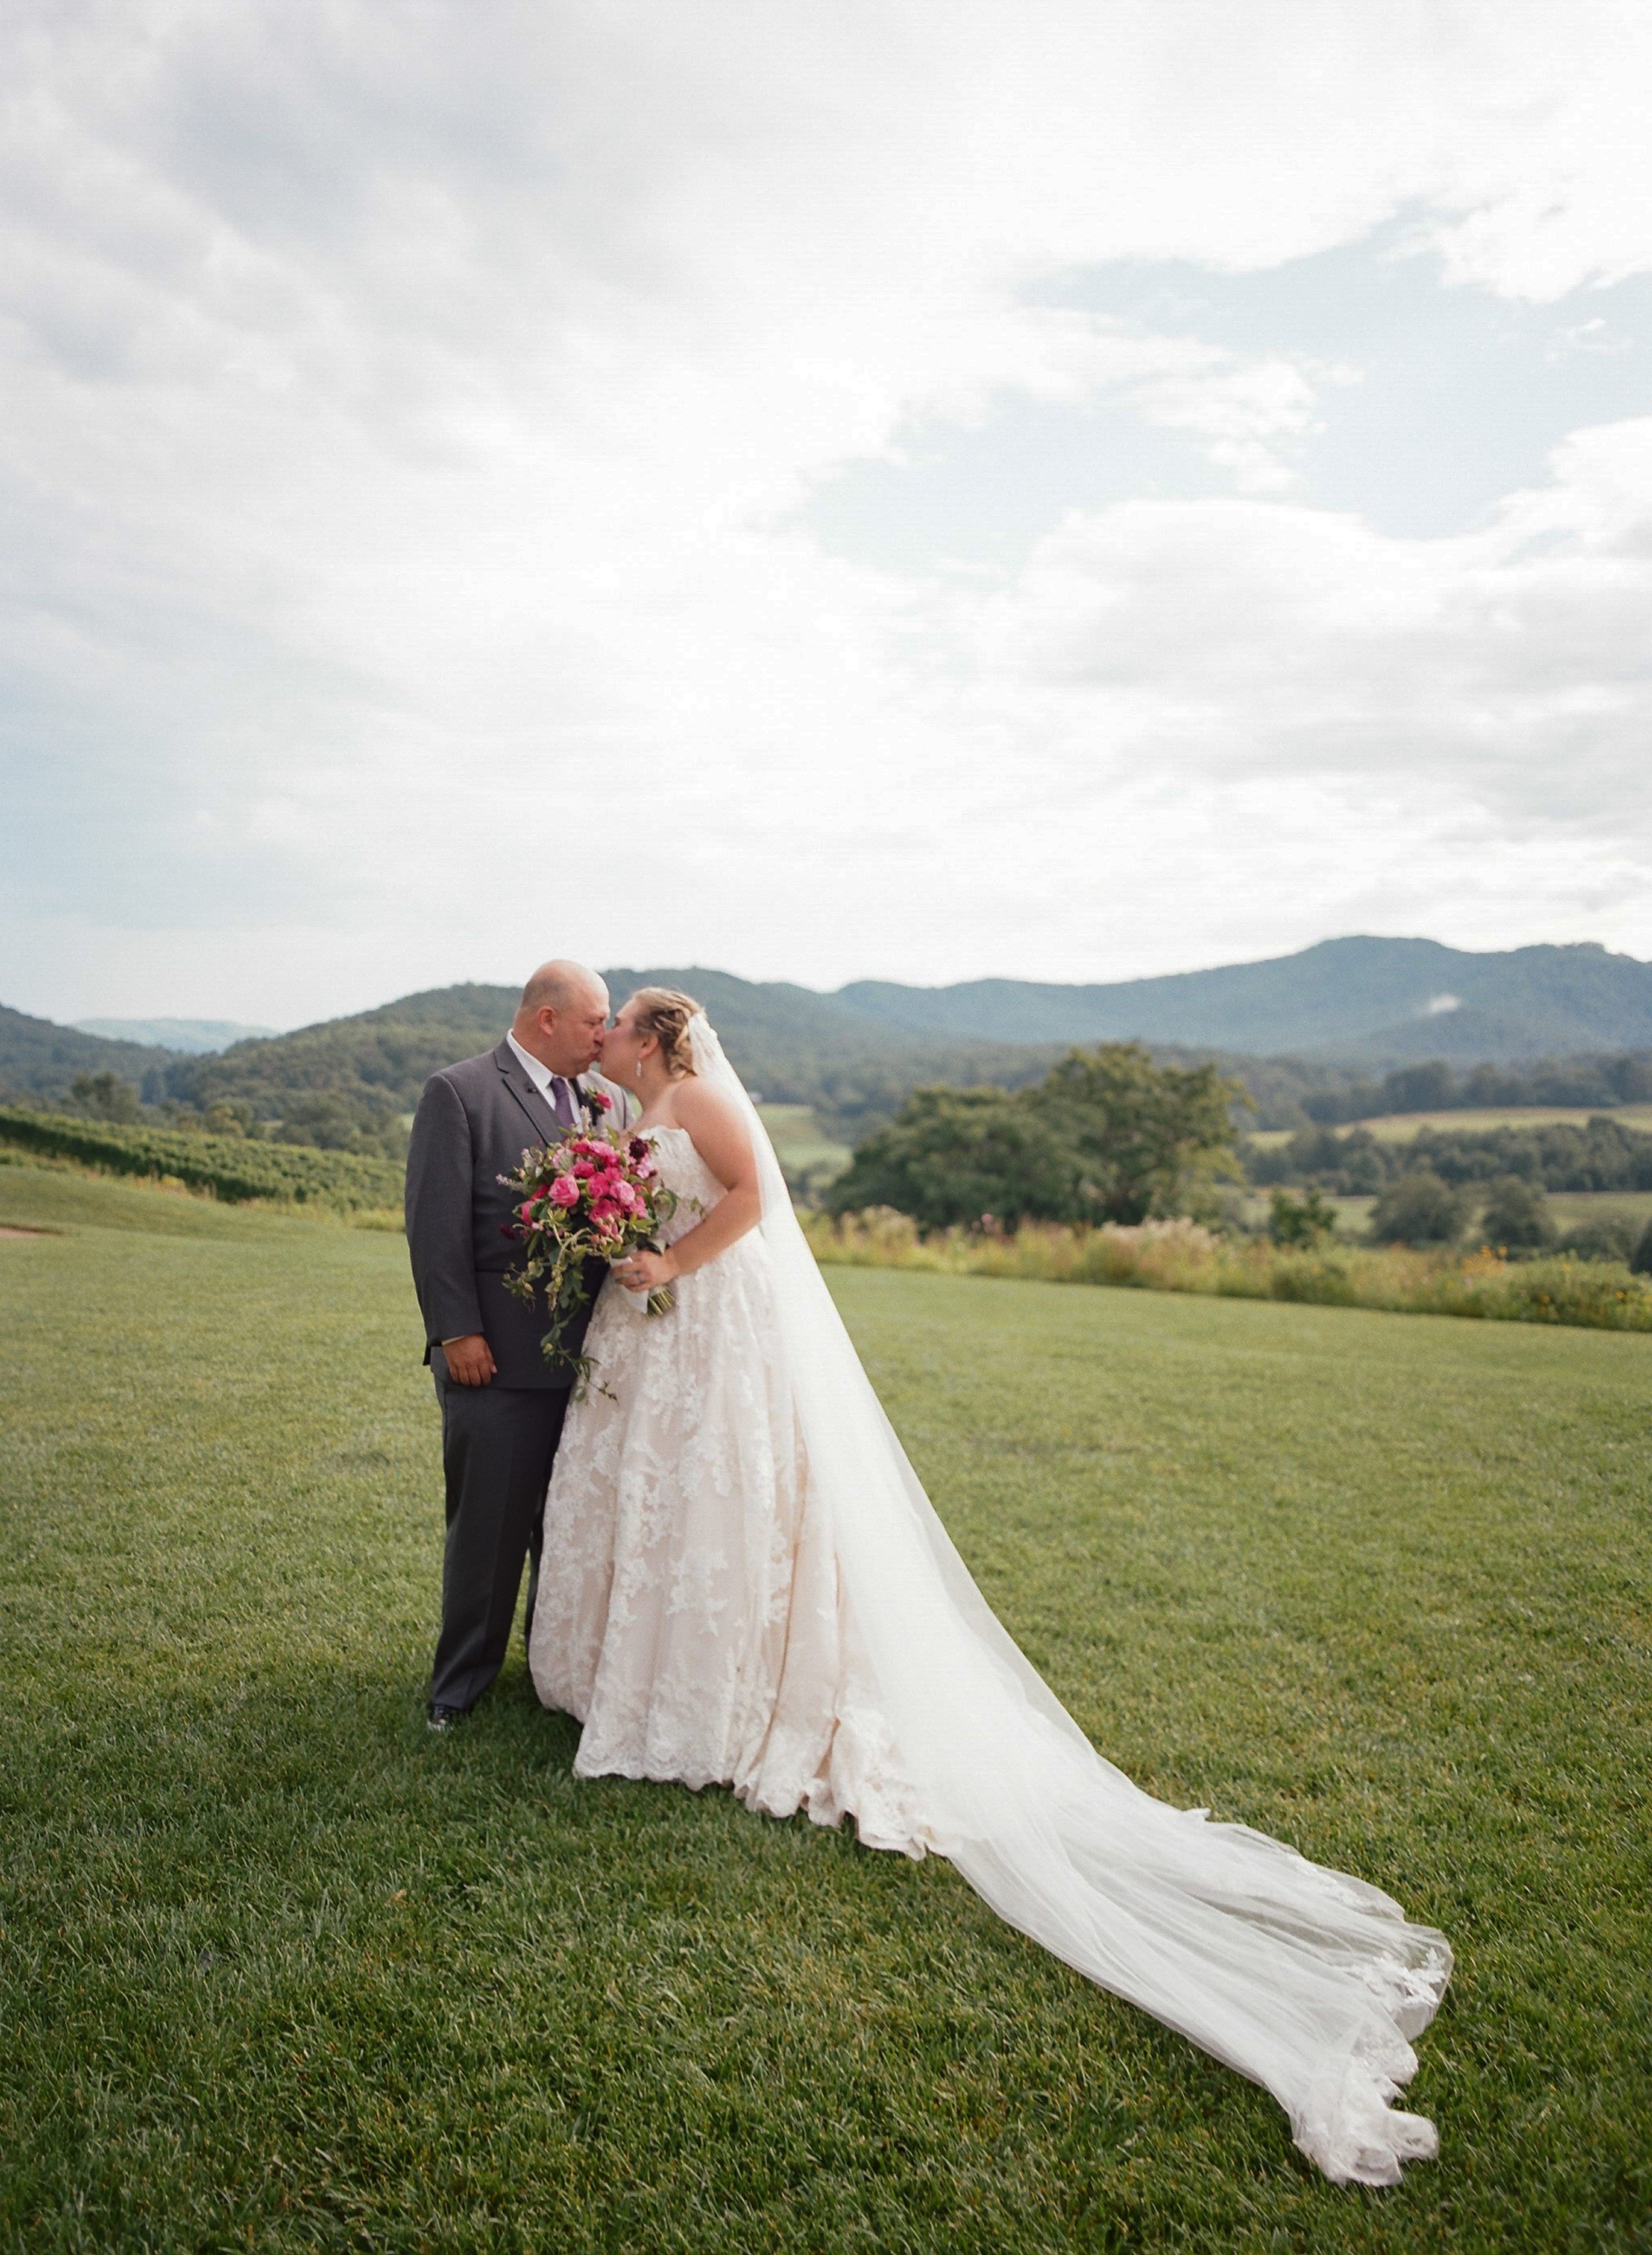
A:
184, 1037
1294, 1026
1364, 1002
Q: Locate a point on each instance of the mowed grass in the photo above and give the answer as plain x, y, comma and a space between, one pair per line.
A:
280, 1970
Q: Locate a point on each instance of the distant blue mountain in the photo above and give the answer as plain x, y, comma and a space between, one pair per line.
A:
188, 1036
1358, 1000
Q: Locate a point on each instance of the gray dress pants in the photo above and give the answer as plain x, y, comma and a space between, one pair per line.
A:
498, 1445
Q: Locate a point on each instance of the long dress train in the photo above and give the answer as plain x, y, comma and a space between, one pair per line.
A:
743, 1583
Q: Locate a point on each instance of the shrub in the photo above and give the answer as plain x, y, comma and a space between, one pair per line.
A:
1603, 1237
1179, 1256
1301, 1221
1574, 1292
1516, 1216
1419, 1209
1640, 1258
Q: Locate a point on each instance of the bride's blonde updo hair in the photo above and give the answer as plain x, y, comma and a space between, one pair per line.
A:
665, 1013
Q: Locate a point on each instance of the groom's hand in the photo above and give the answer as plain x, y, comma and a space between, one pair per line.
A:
470, 1360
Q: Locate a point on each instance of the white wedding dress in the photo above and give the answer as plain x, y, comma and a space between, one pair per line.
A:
742, 1583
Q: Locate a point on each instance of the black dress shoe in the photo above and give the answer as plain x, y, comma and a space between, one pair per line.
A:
443, 1718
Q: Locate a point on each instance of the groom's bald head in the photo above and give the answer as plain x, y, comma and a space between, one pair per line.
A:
562, 1015
559, 985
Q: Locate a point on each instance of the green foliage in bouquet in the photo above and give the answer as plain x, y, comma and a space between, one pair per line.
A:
592, 1197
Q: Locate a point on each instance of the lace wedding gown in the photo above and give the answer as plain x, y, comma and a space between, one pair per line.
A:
743, 1584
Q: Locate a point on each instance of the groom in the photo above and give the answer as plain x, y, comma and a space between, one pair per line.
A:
501, 1403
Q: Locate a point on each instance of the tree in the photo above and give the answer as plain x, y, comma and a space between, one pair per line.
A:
1301, 1221
1515, 1215
106, 1096
960, 1155
1149, 1137
1640, 1258
1419, 1209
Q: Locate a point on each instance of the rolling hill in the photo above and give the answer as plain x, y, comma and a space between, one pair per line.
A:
1359, 1001
1298, 1028
40, 1059
789, 1043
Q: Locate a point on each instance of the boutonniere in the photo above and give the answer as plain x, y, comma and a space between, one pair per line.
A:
595, 1102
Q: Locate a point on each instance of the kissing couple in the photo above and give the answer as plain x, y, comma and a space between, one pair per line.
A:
737, 1579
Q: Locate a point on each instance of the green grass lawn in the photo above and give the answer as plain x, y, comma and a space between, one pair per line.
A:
280, 1970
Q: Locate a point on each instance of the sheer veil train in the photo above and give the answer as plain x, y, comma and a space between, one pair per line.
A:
1304, 1979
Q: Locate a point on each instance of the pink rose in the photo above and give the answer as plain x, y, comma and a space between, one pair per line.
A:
606, 1102
564, 1191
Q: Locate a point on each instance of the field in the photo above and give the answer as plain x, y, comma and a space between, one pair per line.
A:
1403, 1126
810, 1157
282, 1971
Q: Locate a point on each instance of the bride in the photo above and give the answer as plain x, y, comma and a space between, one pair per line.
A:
742, 1583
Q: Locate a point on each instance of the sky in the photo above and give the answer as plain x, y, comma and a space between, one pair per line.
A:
917, 491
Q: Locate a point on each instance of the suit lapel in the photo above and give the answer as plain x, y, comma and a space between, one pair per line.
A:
546, 1127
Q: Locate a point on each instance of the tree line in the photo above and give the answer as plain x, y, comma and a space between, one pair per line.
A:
1111, 1136
1602, 1154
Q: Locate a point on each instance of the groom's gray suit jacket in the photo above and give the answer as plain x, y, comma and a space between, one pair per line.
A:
475, 1121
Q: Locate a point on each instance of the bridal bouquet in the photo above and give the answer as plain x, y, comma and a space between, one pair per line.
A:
593, 1197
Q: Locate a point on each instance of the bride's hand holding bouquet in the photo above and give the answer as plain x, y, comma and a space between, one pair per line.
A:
648, 1270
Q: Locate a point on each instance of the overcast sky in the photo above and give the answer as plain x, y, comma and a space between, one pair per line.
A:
1065, 490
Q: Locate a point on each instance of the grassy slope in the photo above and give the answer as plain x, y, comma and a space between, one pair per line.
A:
282, 1971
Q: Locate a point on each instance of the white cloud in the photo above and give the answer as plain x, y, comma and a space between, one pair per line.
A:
406, 412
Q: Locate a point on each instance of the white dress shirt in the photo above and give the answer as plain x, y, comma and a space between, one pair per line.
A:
540, 1075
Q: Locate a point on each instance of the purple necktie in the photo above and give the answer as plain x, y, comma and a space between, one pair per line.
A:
562, 1101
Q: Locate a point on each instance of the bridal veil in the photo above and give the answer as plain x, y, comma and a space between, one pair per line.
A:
1306, 1980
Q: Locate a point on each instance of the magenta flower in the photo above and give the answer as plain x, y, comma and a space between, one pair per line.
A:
564, 1191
